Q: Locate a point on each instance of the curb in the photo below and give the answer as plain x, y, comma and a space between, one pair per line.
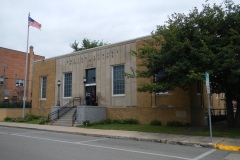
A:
227, 148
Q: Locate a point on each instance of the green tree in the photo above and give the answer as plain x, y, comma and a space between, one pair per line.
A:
86, 44
192, 44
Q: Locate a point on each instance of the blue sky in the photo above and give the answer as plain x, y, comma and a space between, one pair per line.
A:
64, 21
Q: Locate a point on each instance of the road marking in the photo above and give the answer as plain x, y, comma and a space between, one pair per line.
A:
27, 133
3, 133
90, 140
54, 140
119, 149
126, 150
204, 154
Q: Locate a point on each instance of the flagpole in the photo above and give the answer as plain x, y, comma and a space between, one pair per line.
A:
25, 74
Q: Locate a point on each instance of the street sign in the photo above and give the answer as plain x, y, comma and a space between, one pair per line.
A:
207, 82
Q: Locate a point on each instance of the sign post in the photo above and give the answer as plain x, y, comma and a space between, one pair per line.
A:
209, 112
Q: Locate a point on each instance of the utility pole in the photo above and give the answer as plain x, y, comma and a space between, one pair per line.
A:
4, 70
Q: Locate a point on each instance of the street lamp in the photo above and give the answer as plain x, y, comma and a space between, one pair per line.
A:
58, 98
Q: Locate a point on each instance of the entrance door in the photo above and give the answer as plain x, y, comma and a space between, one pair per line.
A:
90, 95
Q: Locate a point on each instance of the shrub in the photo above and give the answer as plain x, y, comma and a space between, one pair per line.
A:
156, 123
30, 117
121, 121
86, 123
107, 121
174, 124
131, 121
114, 121
8, 119
19, 119
43, 120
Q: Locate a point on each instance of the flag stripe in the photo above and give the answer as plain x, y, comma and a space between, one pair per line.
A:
34, 23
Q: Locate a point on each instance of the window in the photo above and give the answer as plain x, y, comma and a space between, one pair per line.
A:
91, 75
118, 80
14, 99
67, 84
19, 83
43, 87
1, 80
158, 78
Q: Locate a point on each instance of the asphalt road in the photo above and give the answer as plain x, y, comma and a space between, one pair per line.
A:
27, 144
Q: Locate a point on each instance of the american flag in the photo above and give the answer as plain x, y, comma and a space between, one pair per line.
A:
33, 23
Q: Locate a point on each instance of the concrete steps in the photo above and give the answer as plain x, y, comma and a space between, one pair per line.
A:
66, 119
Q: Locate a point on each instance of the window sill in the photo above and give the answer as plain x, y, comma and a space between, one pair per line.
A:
118, 95
67, 97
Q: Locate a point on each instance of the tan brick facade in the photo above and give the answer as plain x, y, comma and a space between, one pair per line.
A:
175, 105
45, 68
12, 112
146, 114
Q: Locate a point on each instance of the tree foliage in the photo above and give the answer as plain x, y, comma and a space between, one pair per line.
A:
86, 44
192, 44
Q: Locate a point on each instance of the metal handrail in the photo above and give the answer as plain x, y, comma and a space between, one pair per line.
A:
93, 102
61, 111
218, 111
74, 117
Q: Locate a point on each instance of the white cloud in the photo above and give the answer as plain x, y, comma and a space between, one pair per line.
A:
68, 20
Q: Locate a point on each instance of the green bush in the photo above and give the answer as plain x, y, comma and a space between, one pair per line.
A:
156, 123
107, 121
19, 119
8, 119
119, 121
43, 120
30, 117
175, 124
115, 121
130, 121
86, 123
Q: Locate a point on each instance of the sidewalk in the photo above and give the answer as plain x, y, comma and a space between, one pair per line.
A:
231, 144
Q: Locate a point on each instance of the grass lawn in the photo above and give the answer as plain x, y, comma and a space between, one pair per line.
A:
219, 130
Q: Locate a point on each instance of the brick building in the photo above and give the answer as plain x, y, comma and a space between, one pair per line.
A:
97, 76
12, 70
